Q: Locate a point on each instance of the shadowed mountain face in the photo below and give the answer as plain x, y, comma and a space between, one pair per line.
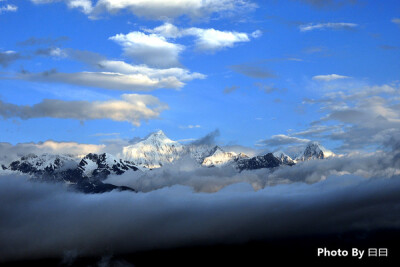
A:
259, 162
85, 175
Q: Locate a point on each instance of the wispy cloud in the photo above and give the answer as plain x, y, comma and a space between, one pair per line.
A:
8, 57
329, 77
8, 8
231, 89
329, 25
34, 41
328, 3
282, 140
195, 126
396, 21
253, 70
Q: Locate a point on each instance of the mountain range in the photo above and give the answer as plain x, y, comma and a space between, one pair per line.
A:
87, 174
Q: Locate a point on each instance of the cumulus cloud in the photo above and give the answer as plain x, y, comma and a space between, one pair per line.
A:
157, 9
206, 39
329, 25
132, 108
212, 40
329, 77
152, 49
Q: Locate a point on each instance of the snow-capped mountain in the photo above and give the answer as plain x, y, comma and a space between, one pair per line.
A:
284, 158
84, 175
218, 157
88, 173
45, 163
154, 151
258, 162
314, 150
100, 166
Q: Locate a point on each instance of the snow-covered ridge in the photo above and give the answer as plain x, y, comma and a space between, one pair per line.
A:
283, 157
43, 162
103, 165
154, 151
218, 157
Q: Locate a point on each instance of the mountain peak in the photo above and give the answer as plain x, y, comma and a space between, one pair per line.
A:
314, 150
154, 151
158, 133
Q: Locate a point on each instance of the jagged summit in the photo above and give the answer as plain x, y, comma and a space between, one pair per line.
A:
283, 157
158, 135
314, 150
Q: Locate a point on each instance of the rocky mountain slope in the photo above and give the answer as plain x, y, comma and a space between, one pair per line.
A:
87, 174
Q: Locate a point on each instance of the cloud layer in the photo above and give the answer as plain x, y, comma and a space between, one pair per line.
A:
11, 152
132, 108
123, 222
108, 74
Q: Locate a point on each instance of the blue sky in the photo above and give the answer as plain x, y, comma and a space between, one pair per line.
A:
267, 74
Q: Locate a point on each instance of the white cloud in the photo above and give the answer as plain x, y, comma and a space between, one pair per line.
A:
329, 77
157, 9
329, 25
132, 108
8, 8
152, 49
9, 152
212, 40
167, 30
206, 39
119, 75
84, 5
156, 50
